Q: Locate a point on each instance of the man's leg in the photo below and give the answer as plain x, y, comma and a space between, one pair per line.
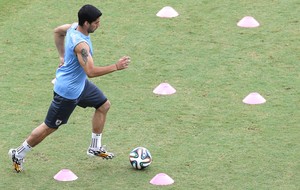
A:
93, 97
58, 113
39, 134
99, 118
36, 136
98, 122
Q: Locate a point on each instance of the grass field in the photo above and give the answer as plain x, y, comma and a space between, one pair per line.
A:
202, 136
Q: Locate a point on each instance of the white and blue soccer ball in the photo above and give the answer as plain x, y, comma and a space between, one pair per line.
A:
140, 158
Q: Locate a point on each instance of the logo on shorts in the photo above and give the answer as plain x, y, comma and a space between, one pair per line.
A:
58, 122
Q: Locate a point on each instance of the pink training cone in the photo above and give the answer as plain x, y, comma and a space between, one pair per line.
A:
162, 179
167, 12
164, 89
248, 22
65, 175
254, 98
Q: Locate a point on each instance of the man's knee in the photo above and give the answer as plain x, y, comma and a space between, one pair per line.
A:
105, 107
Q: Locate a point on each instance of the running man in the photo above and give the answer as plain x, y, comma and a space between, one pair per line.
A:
72, 87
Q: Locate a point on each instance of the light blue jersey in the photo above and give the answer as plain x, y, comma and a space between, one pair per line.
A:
70, 78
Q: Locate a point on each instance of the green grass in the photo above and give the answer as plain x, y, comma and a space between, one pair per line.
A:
203, 136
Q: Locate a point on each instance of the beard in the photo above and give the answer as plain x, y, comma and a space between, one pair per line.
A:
91, 31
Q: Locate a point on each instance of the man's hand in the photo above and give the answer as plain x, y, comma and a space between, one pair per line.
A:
123, 63
61, 62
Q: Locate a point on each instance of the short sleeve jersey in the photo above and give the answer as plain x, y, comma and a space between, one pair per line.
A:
70, 78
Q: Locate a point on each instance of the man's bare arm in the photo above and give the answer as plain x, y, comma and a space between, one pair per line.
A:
59, 39
82, 51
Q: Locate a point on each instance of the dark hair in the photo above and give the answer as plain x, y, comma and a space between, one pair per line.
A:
88, 13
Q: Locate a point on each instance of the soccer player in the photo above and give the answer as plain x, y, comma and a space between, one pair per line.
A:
72, 86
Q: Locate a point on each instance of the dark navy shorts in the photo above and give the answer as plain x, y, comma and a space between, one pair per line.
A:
61, 108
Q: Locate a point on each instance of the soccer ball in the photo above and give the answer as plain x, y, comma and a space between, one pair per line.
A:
140, 158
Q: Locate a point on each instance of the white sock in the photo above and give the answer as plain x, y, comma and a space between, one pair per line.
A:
96, 141
23, 149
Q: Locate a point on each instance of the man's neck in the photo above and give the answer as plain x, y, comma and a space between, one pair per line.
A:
82, 30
